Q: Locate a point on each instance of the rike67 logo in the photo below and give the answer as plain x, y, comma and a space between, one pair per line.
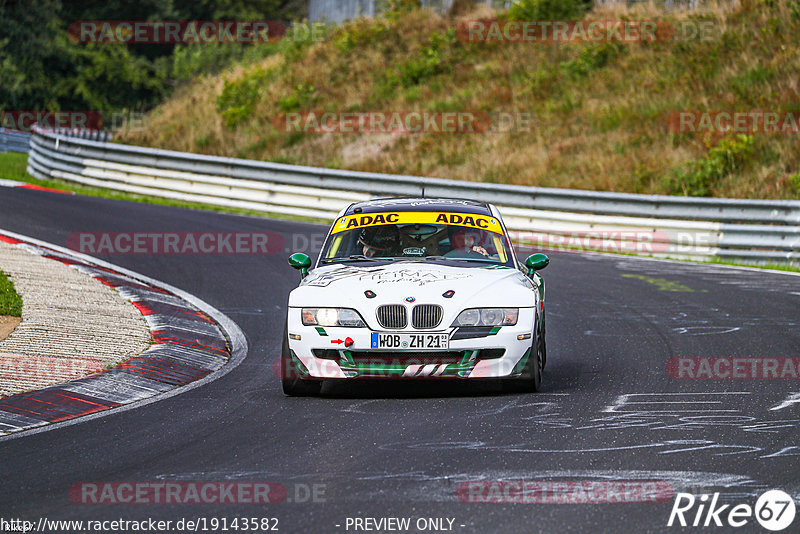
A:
774, 510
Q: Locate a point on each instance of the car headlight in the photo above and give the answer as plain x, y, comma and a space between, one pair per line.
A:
331, 317
487, 317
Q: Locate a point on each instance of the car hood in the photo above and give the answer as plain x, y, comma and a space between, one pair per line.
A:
425, 282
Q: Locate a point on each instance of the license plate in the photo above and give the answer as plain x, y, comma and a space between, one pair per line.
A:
381, 340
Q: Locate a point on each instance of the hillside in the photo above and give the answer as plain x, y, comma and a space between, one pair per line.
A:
599, 112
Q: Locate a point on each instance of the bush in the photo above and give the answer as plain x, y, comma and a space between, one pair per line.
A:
300, 36
360, 33
429, 62
698, 178
591, 58
549, 9
202, 59
422, 67
795, 178
238, 98
394, 10
302, 95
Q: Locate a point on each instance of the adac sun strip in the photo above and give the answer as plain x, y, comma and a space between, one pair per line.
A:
470, 220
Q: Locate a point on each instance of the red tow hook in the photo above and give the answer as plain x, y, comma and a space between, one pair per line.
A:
347, 342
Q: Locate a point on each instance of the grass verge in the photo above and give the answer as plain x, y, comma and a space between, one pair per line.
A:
765, 266
10, 301
13, 166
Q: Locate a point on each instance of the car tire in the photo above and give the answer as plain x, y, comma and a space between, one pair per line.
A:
531, 379
544, 351
293, 385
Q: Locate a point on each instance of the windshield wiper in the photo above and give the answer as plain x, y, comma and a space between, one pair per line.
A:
476, 259
354, 257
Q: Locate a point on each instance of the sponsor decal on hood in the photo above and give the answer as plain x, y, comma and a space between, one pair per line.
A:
384, 275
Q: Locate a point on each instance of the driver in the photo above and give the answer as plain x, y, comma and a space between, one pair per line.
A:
466, 241
380, 241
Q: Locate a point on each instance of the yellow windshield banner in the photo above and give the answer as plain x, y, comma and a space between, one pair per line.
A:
470, 220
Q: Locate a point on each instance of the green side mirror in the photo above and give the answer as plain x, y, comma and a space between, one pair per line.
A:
536, 262
298, 260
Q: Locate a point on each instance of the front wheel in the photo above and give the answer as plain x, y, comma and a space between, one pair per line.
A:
530, 380
293, 385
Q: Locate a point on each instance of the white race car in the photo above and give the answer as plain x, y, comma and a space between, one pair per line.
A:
415, 288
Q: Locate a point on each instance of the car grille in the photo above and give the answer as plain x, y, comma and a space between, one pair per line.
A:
392, 316
426, 316
406, 357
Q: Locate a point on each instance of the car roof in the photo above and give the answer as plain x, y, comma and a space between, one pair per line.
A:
458, 205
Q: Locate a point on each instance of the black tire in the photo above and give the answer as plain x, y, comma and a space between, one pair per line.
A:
293, 385
531, 379
544, 352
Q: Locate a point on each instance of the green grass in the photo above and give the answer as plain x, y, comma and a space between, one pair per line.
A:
765, 266
10, 301
13, 165
792, 268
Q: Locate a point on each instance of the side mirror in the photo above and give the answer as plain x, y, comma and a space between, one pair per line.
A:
298, 260
536, 262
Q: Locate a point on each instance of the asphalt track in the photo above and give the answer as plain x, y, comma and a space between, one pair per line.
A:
400, 449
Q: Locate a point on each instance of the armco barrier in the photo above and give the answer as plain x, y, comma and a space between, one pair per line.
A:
683, 227
14, 141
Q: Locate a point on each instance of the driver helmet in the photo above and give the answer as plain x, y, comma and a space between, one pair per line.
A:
384, 239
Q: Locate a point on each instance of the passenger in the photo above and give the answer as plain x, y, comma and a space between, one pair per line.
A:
466, 242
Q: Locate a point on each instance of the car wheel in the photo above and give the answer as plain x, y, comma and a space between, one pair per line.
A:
544, 352
531, 379
293, 385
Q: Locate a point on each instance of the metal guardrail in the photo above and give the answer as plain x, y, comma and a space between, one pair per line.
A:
14, 141
686, 227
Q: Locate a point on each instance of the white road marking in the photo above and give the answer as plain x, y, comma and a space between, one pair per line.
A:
627, 400
794, 398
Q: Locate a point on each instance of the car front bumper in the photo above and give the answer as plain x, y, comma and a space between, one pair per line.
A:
342, 353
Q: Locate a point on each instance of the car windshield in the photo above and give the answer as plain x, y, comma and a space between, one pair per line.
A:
432, 236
